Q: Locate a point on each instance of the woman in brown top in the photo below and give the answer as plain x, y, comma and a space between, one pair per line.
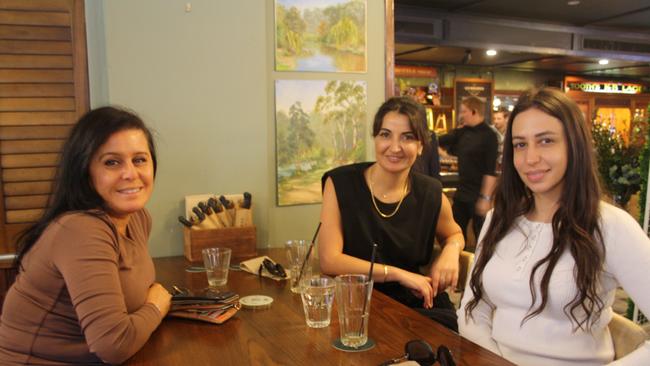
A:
85, 292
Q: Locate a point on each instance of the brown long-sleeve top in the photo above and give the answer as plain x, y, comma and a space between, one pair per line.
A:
81, 296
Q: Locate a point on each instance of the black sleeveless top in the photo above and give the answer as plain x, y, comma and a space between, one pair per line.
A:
404, 240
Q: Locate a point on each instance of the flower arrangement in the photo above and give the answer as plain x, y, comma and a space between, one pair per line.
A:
618, 160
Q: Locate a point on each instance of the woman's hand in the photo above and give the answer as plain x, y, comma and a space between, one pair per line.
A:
444, 271
419, 285
160, 297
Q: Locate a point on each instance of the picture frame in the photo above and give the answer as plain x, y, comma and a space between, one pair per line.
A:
322, 36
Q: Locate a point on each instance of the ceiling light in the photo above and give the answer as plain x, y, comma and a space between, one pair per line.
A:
603, 61
573, 2
491, 52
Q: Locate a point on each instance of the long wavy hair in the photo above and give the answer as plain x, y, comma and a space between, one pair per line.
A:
575, 223
73, 189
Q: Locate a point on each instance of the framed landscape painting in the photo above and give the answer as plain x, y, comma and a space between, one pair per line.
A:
319, 125
320, 35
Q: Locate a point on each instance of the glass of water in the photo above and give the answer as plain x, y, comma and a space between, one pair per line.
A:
296, 254
216, 262
353, 293
317, 299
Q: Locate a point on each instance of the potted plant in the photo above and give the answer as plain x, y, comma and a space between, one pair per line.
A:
618, 160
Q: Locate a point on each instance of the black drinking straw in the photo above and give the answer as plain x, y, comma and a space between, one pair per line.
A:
365, 297
311, 246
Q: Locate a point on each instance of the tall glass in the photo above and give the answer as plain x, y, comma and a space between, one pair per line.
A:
216, 262
296, 254
353, 293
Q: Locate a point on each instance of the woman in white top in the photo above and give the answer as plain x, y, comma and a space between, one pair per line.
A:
551, 253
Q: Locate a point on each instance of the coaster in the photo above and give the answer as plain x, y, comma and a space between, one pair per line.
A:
256, 302
370, 344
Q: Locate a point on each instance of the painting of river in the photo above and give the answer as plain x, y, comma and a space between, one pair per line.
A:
319, 125
320, 35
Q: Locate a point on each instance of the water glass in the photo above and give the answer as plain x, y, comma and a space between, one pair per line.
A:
216, 262
353, 293
297, 287
296, 254
317, 299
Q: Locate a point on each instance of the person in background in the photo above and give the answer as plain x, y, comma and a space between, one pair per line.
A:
499, 124
500, 120
552, 254
402, 211
476, 146
85, 291
428, 163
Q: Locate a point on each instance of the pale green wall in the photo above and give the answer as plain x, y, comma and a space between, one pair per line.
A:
204, 81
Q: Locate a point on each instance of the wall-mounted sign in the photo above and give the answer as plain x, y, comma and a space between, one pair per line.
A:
605, 87
576, 83
407, 71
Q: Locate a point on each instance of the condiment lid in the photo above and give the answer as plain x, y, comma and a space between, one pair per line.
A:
256, 302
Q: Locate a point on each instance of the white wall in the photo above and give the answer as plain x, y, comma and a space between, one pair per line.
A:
203, 80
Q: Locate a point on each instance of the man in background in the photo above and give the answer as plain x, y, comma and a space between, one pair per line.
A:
499, 125
475, 144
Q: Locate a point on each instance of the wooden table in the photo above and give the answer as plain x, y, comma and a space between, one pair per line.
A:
279, 335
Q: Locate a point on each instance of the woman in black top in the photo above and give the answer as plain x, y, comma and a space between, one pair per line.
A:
402, 211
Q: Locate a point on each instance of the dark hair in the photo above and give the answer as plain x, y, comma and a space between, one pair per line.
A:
504, 111
474, 104
407, 106
575, 223
73, 189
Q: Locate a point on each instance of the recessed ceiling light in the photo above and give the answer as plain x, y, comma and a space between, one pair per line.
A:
573, 2
603, 61
491, 52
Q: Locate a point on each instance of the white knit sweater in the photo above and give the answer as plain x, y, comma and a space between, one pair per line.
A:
549, 338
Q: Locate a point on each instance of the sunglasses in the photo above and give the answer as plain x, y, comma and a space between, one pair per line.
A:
275, 269
422, 353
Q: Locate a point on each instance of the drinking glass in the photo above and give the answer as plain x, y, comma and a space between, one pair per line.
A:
216, 262
296, 254
317, 299
353, 293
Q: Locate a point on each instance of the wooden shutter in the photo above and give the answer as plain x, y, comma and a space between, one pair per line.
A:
43, 91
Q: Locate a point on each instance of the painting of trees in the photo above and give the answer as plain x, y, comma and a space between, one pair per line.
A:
319, 125
344, 107
330, 37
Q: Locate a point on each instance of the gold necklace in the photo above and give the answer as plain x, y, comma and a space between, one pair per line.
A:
372, 196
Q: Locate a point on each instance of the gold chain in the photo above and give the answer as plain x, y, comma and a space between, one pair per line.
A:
372, 196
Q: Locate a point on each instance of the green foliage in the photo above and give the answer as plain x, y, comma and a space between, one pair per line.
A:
294, 21
343, 29
300, 138
644, 162
344, 107
293, 43
343, 34
618, 163
290, 28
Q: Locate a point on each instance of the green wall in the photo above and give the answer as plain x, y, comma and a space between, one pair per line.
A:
203, 80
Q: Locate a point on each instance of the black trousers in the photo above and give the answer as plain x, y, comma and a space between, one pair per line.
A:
463, 212
443, 312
